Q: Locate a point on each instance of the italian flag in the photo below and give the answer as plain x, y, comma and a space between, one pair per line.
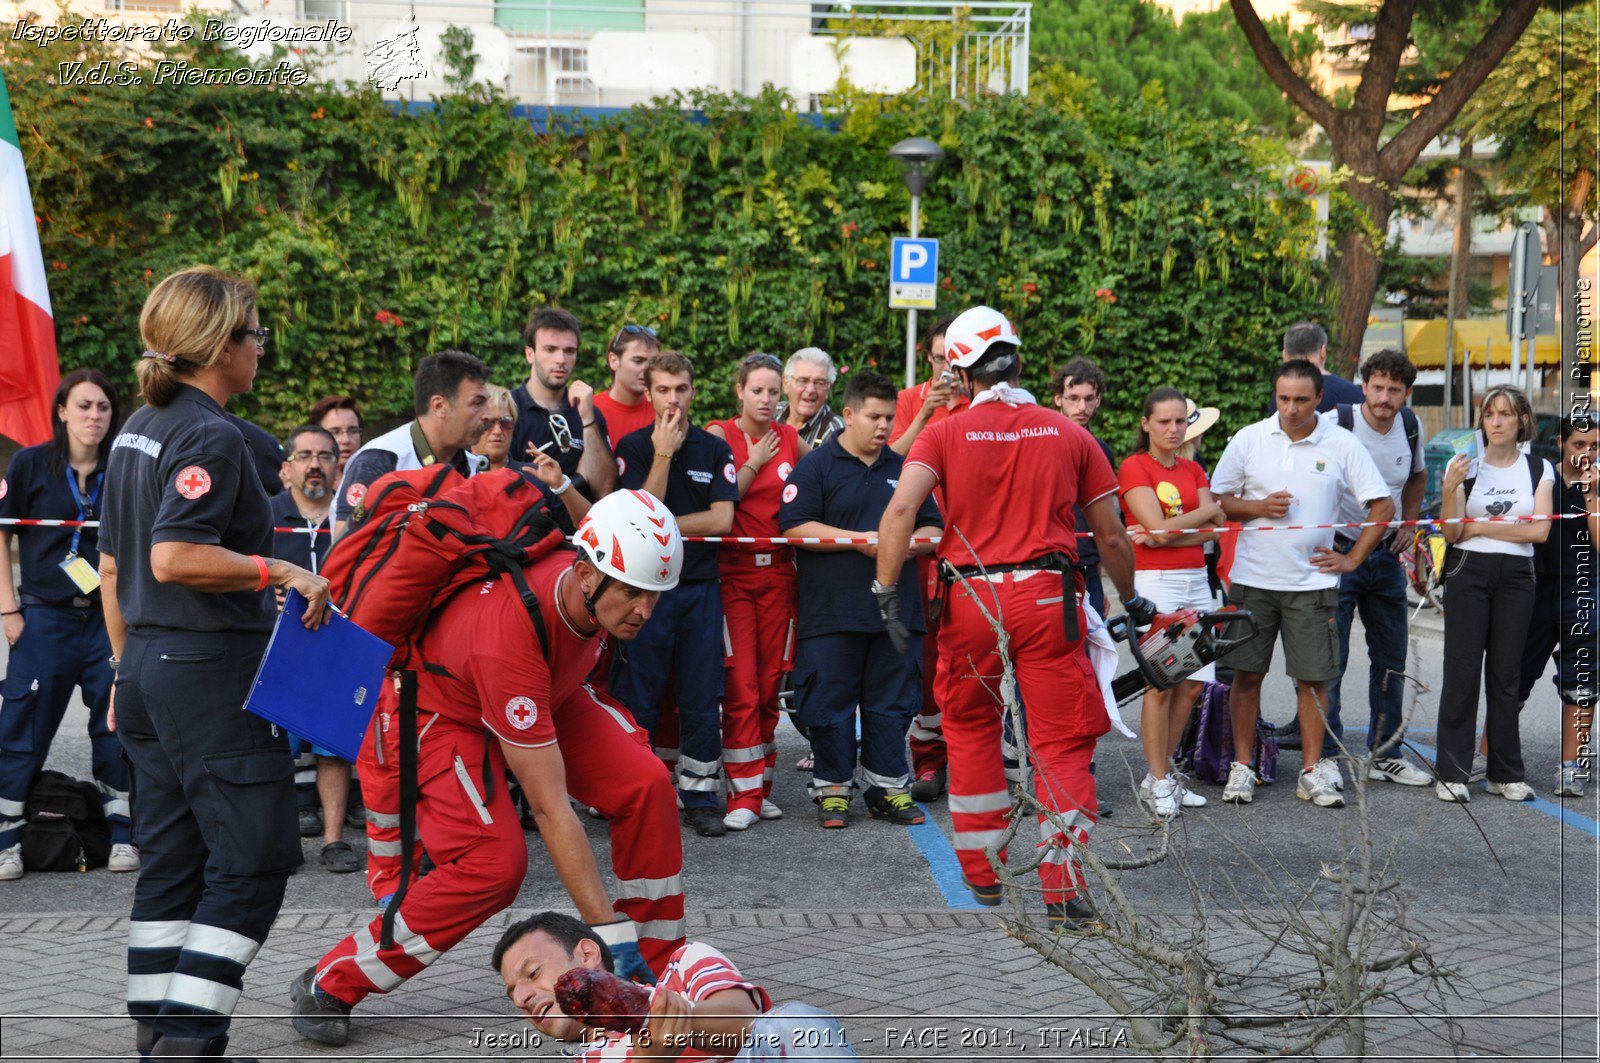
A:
29, 372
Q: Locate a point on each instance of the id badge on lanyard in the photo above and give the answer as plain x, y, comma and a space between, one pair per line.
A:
78, 570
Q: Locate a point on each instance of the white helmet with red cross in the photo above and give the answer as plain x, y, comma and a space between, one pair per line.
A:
630, 536
973, 331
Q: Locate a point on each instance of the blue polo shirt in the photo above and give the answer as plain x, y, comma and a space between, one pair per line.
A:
832, 486
305, 548
533, 426
31, 491
702, 472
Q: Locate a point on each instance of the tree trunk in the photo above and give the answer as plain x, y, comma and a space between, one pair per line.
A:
1460, 261
1357, 278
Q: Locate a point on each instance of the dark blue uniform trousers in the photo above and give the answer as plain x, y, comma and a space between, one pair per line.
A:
682, 641
214, 819
61, 649
835, 673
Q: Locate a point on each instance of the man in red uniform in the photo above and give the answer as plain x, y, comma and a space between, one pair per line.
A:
1010, 472
916, 408
626, 404
493, 696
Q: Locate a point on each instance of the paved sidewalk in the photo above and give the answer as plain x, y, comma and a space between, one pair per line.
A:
912, 985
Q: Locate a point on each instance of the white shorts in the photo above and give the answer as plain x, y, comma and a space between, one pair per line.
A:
1173, 589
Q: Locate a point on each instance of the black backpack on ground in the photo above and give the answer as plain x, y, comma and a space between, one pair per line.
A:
66, 828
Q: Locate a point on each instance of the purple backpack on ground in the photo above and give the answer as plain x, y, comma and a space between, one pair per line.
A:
1206, 751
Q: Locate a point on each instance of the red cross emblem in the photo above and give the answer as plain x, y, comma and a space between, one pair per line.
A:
356, 493
193, 482
790, 492
522, 713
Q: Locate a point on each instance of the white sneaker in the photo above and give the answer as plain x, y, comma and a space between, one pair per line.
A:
739, 819
1398, 770
1164, 799
1512, 791
1144, 786
1187, 797
1317, 787
1452, 791
770, 810
1568, 784
1328, 769
11, 863
123, 858
1241, 788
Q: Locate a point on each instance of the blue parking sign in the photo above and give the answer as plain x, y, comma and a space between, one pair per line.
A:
913, 274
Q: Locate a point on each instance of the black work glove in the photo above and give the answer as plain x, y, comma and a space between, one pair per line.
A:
889, 608
1141, 610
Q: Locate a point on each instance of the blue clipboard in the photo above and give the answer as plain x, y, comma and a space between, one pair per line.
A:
321, 685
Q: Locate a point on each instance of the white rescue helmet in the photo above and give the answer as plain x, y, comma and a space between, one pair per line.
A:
973, 331
631, 537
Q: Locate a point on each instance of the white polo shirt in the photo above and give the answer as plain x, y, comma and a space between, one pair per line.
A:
1320, 471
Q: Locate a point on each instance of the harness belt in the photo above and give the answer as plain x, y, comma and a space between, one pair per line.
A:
1055, 561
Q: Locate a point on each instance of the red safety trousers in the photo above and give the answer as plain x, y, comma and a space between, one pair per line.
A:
476, 841
1065, 715
926, 736
758, 611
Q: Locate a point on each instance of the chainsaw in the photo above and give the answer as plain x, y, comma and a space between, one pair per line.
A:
1176, 646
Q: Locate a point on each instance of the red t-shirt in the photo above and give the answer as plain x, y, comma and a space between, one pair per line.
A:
499, 675
910, 400
1177, 492
757, 511
695, 971
620, 419
1011, 475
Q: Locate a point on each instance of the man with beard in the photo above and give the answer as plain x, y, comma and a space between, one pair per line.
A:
556, 411
301, 535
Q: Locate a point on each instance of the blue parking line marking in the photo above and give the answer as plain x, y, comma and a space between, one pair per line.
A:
1559, 812
942, 863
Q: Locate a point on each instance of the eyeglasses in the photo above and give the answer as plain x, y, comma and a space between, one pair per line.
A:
260, 334
764, 360
627, 333
561, 431
506, 423
321, 457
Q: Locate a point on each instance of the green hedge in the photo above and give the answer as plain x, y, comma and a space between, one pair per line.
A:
728, 223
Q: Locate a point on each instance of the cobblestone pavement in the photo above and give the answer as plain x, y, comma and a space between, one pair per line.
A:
910, 984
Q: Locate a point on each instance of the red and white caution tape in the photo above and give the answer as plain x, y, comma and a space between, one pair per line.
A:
861, 540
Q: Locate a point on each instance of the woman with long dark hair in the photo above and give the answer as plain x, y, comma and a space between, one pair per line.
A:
53, 622
1169, 498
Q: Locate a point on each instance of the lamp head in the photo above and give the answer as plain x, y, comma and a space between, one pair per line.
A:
918, 157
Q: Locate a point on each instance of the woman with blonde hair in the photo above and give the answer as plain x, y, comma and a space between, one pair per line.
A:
494, 447
187, 593
1489, 592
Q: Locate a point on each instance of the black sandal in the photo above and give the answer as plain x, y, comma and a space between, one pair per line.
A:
340, 858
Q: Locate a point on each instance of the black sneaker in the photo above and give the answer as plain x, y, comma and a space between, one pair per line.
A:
706, 822
310, 822
897, 807
930, 785
171, 1048
1074, 914
989, 896
833, 812
1287, 736
317, 1015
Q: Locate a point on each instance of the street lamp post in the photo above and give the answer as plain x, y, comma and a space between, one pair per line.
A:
918, 157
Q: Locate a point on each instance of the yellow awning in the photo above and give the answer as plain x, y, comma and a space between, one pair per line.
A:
1425, 343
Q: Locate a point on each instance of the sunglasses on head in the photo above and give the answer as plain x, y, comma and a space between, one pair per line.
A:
561, 432
766, 360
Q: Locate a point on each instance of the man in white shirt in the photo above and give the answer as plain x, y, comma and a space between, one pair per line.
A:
1390, 432
1293, 470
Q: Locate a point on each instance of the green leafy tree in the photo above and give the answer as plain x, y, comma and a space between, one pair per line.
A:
1127, 231
1203, 64
1541, 105
1375, 150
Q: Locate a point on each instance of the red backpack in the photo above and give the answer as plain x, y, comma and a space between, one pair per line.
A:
423, 534
420, 536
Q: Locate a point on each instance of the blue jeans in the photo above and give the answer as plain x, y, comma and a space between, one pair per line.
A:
837, 673
795, 1031
1378, 589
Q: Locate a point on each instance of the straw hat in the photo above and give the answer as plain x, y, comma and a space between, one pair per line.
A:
1201, 419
